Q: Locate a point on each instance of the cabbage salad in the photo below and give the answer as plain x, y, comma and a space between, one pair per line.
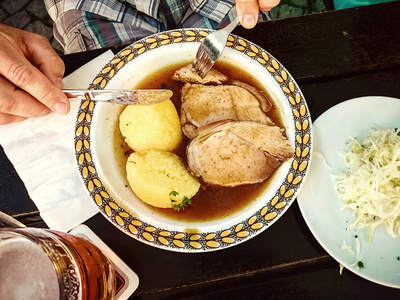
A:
370, 186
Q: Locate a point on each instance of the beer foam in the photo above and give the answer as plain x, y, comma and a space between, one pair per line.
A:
26, 271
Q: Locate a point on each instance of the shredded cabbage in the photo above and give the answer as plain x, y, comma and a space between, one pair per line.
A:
347, 247
370, 186
358, 256
340, 269
350, 250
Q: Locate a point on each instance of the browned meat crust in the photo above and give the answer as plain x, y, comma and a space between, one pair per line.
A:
188, 74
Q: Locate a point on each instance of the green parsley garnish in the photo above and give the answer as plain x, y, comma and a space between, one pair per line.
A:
360, 264
185, 202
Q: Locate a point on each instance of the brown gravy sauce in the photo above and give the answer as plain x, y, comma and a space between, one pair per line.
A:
211, 202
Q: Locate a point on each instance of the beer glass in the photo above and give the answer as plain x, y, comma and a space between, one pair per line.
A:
47, 264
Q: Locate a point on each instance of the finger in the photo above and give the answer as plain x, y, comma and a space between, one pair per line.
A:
267, 5
17, 102
8, 119
247, 11
42, 55
18, 70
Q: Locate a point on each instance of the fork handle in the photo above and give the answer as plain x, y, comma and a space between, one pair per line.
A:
232, 25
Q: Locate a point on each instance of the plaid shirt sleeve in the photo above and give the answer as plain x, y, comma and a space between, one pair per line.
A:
81, 25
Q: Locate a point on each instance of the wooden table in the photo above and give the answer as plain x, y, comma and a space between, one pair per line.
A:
334, 56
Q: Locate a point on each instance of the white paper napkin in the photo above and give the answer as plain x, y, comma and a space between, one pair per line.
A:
42, 152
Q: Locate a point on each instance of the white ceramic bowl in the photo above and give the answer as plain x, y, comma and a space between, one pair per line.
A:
107, 185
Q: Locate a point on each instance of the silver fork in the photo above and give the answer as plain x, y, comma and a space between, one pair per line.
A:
211, 48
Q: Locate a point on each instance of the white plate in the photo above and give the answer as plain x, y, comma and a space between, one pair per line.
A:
107, 184
319, 202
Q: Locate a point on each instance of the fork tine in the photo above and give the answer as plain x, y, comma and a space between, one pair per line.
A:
207, 67
198, 56
203, 61
200, 62
211, 49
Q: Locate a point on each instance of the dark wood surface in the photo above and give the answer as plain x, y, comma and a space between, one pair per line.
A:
334, 56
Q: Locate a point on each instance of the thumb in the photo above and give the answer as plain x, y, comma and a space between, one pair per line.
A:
247, 12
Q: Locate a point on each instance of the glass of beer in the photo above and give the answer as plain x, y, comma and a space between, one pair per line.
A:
47, 264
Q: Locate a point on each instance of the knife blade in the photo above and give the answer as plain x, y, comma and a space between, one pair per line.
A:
126, 97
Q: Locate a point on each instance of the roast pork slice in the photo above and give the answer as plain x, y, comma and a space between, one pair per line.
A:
231, 153
188, 74
203, 105
262, 97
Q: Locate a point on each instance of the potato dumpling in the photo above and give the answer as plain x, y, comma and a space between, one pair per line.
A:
151, 126
157, 176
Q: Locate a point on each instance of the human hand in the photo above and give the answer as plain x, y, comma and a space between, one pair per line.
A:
30, 77
247, 10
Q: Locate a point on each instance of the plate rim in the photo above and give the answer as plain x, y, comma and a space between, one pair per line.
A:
201, 241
